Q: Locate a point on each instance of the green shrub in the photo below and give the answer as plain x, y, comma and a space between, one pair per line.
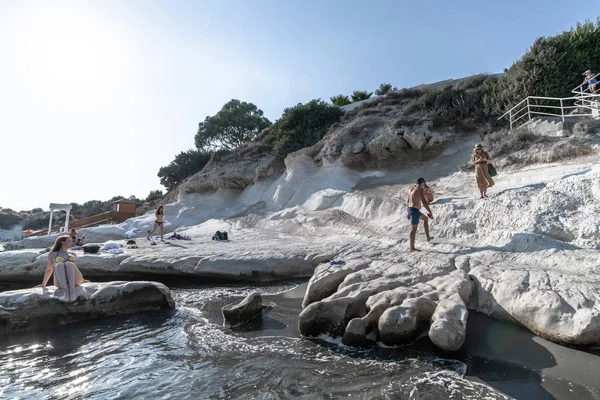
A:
359, 95
8, 221
186, 163
302, 126
235, 124
384, 88
340, 100
37, 222
154, 195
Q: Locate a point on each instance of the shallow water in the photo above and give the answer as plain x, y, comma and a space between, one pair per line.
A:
187, 353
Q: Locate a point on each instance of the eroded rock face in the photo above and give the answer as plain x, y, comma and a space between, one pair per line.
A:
36, 308
243, 312
234, 171
388, 302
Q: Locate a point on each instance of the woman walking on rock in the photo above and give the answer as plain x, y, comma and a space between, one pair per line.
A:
481, 160
158, 223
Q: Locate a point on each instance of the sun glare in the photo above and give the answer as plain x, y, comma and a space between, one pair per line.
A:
70, 56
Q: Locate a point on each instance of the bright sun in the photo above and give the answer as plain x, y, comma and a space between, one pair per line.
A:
70, 55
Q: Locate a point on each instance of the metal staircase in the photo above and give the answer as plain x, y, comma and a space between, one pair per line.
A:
582, 104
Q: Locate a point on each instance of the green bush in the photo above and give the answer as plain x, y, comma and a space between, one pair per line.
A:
154, 195
37, 222
302, 126
185, 164
359, 95
8, 221
235, 124
384, 88
340, 100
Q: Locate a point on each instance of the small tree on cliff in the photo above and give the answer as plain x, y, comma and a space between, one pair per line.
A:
236, 123
340, 100
359, 95
302, 126
384, 88
185, 164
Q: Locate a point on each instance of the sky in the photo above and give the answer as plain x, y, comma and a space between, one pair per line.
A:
96, 96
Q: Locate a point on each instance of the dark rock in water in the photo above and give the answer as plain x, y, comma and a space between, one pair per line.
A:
38, 307
244, 311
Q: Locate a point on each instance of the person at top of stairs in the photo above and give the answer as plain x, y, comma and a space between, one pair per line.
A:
591, 81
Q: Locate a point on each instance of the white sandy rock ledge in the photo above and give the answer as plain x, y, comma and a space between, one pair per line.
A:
38, 308
258, 255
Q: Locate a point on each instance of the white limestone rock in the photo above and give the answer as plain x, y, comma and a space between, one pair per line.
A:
36, 308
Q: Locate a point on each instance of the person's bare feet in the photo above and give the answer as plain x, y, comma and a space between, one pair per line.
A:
72, 297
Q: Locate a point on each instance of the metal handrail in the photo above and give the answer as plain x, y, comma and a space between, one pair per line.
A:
575, 90
529, 107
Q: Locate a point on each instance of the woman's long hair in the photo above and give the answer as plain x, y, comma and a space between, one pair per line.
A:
58, 243
159, 211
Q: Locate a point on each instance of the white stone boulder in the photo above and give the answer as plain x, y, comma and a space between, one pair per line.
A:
392, 302
36, 308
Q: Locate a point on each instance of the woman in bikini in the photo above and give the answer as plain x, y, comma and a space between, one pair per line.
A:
61, 262
158, 223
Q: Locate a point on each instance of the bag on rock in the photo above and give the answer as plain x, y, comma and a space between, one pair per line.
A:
220, 236
91, 248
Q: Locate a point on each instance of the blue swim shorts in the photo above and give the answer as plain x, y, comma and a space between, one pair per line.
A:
415, 215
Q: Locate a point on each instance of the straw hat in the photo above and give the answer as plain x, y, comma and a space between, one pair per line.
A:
478, 146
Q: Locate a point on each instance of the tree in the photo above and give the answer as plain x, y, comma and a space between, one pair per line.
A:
154, 195
340, 100
186, 163
302, 126
236, 123
384, 88
359, 95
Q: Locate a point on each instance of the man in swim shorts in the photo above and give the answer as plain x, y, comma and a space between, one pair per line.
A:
416, 200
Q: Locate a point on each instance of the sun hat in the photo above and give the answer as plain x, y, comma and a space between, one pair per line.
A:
478, 146
589, 71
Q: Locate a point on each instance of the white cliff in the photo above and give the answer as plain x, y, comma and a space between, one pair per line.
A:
528, 254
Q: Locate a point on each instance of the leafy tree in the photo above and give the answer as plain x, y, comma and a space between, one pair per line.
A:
36, 210
236, 123
8, 211
359, 95
154, 195
302, 126
185, 164
94, 207
340, 100
133, 198
384, 88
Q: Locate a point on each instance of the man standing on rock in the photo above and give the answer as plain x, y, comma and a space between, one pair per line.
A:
416, 200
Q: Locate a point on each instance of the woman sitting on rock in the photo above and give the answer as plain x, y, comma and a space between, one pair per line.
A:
480, 160
62, 262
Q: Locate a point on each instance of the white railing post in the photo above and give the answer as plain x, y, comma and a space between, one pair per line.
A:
510, 119
528, 110
562, 111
